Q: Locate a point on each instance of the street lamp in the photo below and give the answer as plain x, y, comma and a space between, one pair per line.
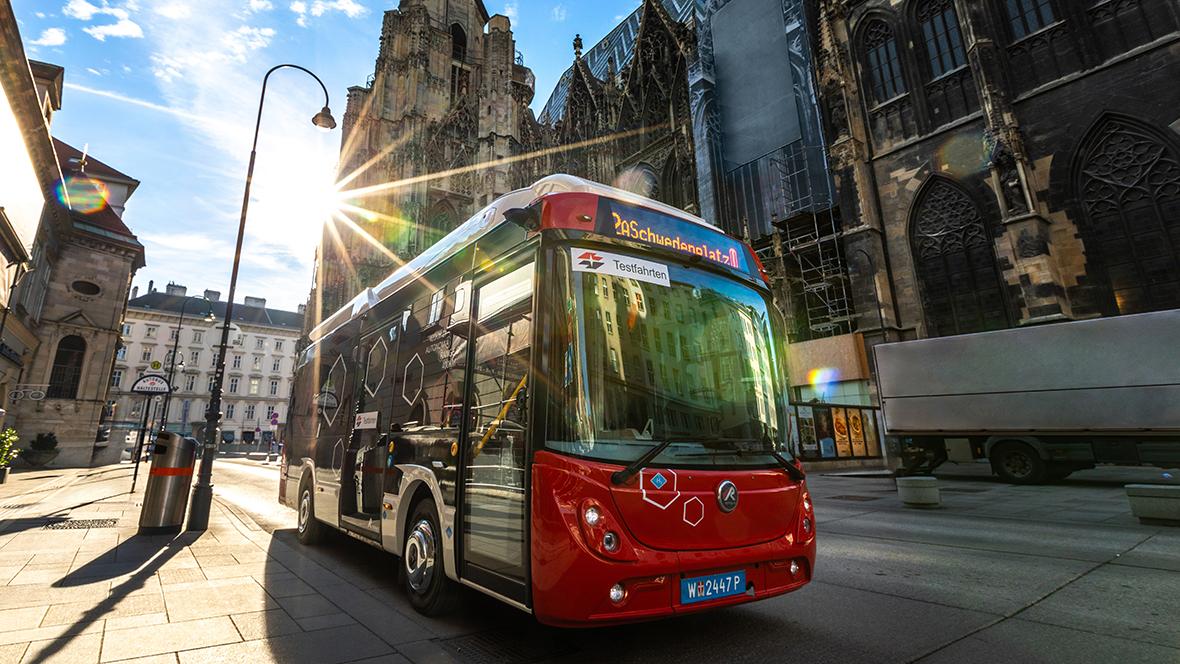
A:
202, 498
209, 318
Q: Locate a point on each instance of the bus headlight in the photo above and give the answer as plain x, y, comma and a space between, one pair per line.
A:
617, 593
592, 516
610, 542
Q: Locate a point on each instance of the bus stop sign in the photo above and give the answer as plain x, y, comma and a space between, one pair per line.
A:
151, 385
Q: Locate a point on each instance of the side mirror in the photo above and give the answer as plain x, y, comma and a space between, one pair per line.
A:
528, 218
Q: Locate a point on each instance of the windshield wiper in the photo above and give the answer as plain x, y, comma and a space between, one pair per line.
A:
791, 469
622, 476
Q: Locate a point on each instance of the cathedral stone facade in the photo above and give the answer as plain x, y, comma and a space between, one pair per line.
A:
1004, 163
444, 127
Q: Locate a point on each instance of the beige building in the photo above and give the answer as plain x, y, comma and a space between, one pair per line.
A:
258, 367
62, 321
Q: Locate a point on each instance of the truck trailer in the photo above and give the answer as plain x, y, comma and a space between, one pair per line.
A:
1040, 402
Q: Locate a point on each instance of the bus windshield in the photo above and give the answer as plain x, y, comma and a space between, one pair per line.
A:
671, 353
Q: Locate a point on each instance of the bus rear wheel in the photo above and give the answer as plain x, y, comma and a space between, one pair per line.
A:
308, 529
1018, 463
431, 592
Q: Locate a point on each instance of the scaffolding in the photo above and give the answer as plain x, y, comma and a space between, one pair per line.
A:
808, 249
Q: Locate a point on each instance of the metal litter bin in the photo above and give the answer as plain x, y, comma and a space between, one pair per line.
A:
166, 496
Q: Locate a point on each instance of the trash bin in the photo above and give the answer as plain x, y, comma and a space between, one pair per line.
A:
169, 480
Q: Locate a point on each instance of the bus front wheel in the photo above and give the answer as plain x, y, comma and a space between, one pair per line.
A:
309, 529
431, 592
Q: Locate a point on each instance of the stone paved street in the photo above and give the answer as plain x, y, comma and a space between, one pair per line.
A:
1057, 573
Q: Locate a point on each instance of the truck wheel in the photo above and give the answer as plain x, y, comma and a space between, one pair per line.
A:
431, 592
1018, 463
309, 529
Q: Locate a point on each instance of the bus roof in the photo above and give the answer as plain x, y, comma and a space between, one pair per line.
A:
474, 228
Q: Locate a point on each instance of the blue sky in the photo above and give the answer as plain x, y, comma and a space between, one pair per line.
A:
167, 91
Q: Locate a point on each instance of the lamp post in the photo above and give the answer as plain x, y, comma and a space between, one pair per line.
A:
202, 497
175, 350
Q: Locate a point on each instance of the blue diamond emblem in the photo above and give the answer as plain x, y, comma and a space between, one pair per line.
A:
658, 481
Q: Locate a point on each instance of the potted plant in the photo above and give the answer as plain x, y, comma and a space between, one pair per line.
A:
8, 451
41, 451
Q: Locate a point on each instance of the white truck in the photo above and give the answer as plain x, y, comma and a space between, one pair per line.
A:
1040, 402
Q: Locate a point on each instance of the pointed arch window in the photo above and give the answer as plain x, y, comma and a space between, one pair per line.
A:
458, 42
880, 49
955, 263
67, 368
1129, 185
944, 42
1028, 16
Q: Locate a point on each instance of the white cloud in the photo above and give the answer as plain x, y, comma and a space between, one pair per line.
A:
559, 13
299, 7
260, 5
512, 11
349, 8
240, 42
174, 10
93, 71
50, 37
39, 14
125, 28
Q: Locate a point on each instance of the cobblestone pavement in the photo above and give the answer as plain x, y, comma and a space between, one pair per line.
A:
1058, 573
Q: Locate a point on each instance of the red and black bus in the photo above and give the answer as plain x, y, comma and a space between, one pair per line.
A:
575, 402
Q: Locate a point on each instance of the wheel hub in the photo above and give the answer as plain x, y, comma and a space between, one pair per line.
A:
419, 556
304, 510
1017, 464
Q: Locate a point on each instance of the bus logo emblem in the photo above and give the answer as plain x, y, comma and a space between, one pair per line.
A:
727, 496
590, 260
659, 481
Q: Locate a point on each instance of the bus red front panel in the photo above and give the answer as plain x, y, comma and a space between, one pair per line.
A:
575, 564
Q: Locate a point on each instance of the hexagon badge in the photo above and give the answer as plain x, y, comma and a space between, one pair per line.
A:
694, 511
412, 379
658, 487
375, 367
338, 457
329, 403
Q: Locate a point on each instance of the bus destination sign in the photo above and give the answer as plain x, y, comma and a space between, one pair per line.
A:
650, 227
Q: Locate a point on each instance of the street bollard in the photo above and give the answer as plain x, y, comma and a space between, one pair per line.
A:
919, 491
166, 496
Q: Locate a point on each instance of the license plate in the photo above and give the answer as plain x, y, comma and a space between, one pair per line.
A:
713, 586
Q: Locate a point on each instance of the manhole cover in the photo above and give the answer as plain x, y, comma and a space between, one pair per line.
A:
855, 499
80, 524
499, 648
955, 489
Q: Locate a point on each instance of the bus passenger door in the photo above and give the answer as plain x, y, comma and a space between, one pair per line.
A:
364, 459
494, 504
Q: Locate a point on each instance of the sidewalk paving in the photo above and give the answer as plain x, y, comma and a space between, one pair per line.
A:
77, 584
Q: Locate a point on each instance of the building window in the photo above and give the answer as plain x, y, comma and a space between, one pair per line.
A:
229, 411
116, 377
237, 362
885, 76
270, 410
175, 332
233, 385
212, 380
278, 366
146, 355
126, 329
940, 29
67, 368
259, 343
436, 307
249, 411
168, 358
150, 331
198, 336
1028, 16
278, 345
255, 385
1129, 186
458, 42
274, 388
257, 366
121, 354
190, 383
956, 263
194, 357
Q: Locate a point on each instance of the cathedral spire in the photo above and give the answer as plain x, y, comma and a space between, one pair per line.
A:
577, 46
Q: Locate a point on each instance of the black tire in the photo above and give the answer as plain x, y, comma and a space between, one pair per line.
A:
430, 591
1018, 463
309, 530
